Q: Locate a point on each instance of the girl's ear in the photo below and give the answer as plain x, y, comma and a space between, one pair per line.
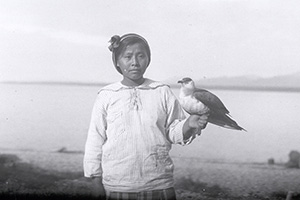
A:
117, 62
119, 69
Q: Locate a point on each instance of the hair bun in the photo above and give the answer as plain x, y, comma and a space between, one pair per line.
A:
114, 42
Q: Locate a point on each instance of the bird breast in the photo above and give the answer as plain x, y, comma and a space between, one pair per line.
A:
192, 105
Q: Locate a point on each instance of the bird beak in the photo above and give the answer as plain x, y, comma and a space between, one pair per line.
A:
180, 81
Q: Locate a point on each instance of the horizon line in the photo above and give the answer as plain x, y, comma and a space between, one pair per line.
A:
206, 86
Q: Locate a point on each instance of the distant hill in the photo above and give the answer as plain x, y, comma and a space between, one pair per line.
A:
289, 82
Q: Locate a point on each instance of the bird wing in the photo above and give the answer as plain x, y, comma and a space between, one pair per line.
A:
210, 100
218, 112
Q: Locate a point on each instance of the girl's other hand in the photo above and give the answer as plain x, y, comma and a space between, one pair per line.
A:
98, 189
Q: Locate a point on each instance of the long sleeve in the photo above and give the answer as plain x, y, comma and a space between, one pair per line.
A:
175, 120
95, 139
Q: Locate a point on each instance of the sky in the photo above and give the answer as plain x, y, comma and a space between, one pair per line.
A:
67, 40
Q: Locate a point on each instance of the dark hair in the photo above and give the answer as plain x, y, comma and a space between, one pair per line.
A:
118, 45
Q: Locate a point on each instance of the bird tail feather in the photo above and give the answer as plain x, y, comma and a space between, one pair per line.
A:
224, 121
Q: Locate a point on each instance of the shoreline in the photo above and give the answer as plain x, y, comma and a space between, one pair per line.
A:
79, 153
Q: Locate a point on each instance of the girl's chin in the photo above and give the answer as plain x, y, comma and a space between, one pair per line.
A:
136, 76
138, 80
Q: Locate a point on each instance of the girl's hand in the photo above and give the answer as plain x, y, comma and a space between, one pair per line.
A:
198, 121
193, 125
98, 189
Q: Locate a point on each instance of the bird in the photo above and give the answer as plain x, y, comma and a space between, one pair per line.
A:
196, 101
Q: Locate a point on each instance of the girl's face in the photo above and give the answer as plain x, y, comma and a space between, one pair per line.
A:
133, 62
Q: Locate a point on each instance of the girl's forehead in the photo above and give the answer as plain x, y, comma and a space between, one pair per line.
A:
134, 47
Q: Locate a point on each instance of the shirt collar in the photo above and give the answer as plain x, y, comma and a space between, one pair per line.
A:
148, 84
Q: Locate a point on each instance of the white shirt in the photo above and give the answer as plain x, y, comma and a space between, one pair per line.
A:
130, 136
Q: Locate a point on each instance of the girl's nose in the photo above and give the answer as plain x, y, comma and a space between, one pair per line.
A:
135, 61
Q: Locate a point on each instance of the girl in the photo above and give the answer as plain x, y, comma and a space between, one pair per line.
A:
133, 125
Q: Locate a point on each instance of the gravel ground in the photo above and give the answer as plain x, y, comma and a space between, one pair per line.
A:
195, 178
239, 179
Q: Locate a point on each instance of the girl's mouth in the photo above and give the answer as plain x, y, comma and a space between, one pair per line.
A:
135, 71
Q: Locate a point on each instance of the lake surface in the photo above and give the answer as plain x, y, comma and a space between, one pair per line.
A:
45, 118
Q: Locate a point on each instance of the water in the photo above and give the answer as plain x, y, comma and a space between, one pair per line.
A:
45, 118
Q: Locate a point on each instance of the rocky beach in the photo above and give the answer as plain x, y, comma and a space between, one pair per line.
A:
59, 175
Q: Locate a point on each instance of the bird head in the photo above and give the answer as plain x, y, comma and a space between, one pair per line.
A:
187, 83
